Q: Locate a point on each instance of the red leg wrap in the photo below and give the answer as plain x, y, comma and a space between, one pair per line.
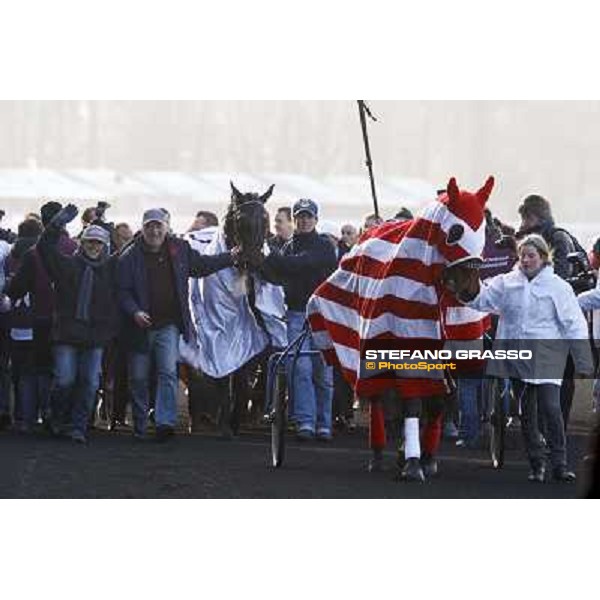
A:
377, 426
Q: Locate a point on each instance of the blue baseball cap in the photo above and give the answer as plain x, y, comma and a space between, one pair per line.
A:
156, 214
305, 205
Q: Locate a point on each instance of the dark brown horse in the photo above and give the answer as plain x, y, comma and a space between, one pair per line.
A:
247, 222
246, 225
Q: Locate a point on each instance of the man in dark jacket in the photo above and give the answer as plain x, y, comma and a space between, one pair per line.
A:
28, 388
85, 320
153, 275
304, 263
31, 278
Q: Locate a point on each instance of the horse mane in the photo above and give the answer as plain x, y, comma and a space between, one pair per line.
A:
228, 225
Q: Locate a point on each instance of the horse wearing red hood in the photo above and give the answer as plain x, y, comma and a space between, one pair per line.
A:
393, 288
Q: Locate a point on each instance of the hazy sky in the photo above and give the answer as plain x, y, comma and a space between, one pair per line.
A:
548, 147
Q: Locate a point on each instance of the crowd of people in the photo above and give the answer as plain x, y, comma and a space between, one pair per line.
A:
91, 324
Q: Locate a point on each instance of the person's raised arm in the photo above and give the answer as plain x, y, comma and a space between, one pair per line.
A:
54, 261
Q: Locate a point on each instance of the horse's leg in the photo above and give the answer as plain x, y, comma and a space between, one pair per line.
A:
377, 440
240, 392
432, 434
412, 470
223, 393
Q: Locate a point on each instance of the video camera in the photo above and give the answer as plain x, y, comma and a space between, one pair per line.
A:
101, 209
585, 278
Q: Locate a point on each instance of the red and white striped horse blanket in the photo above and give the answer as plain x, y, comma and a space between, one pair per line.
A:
389, 288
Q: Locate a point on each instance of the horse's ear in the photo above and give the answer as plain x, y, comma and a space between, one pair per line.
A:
452, 189
484, 193
267, 194
235, 193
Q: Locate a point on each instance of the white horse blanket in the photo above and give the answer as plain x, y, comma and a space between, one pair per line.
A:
228, 333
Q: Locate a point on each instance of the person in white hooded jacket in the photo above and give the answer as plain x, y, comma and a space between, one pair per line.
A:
535, 304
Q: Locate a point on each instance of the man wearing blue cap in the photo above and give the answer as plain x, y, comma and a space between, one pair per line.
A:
304, 263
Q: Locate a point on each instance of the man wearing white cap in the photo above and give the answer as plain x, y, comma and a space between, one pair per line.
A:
153, 275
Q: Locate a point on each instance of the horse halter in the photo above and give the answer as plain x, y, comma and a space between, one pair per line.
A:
471, 265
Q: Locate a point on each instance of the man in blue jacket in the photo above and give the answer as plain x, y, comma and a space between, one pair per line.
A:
153, 275
303, 264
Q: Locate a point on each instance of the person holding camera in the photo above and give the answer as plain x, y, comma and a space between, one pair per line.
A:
536, 217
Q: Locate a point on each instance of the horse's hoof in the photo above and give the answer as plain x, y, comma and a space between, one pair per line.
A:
430, 466
375, 465
412, 471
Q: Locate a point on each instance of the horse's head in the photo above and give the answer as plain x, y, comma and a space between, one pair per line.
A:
247, 221
460, 223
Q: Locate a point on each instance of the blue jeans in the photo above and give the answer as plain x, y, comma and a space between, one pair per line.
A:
469, 394
76, 381
163, 345
312, 384
31, 384
31, 400
4, 373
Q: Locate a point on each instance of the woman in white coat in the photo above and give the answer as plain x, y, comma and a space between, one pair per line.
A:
535, 304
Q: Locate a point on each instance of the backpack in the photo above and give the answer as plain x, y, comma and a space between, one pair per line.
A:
585, 265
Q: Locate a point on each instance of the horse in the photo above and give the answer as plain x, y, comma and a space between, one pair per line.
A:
238, 315
399, 286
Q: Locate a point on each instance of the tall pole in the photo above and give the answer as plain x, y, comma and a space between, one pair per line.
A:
363, 111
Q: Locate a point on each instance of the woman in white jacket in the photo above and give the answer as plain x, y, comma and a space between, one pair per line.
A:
535, 304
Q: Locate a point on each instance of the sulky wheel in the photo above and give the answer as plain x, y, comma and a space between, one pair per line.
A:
278, 423
497, 424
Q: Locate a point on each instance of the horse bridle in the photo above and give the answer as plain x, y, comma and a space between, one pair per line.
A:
237, 211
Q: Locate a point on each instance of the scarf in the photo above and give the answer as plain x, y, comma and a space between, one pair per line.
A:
86, 286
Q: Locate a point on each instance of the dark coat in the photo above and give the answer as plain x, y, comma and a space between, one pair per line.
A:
31, 277
21, 314
303, 264
66, 273
561, 245
133, 288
